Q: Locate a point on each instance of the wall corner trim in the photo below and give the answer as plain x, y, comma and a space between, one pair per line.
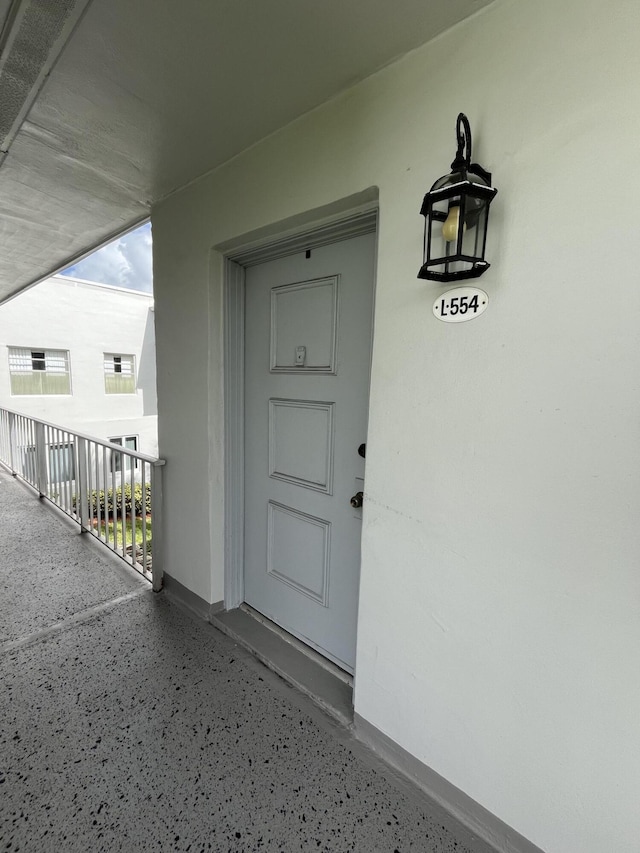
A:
474, 817
183, 596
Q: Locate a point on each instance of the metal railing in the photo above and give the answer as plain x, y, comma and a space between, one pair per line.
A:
112, 492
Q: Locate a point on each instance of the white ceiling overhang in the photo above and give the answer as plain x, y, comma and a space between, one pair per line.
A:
107, 106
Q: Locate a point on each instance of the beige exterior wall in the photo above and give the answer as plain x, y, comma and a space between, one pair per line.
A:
499, 621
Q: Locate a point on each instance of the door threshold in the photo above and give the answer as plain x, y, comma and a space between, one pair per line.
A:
326, 685
305, 648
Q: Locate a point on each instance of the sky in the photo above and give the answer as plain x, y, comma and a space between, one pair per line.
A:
125, 262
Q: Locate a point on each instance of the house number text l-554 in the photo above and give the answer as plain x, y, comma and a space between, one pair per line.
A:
460, 304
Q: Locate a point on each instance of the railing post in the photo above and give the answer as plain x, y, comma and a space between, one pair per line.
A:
12, 442
157, 527
82, 501
41, 459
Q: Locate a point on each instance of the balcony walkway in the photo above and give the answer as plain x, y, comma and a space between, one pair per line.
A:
127, 724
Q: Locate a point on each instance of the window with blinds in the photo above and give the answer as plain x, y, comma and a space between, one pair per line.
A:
62, 463
129, 442
36, 372
119, 374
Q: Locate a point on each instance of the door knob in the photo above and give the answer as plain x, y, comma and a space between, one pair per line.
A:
357, 499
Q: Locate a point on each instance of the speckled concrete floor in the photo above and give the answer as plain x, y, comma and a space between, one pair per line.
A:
127, 724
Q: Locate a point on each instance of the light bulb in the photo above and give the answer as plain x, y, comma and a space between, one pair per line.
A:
450, 225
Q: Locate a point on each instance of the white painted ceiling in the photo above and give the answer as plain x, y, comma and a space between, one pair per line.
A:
107, 106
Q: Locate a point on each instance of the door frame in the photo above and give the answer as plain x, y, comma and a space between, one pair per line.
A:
363, 221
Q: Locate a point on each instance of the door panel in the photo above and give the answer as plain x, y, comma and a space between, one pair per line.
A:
301, 440
307, 357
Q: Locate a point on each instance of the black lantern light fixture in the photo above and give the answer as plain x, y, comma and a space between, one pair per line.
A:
456, 212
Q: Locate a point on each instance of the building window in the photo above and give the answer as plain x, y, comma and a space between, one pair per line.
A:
119, 374
61, 467
62, 463
36, 372
129, 442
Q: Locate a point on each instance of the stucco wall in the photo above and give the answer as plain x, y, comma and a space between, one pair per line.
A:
88, 320
499, 620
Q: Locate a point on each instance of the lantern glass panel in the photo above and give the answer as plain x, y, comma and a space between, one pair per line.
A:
473, 239
441, 222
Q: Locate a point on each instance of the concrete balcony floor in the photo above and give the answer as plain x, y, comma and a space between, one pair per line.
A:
128, 724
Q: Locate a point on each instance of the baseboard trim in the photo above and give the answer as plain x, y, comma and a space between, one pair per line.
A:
478, 820
182, 595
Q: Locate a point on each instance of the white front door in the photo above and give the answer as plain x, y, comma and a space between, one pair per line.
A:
307, 357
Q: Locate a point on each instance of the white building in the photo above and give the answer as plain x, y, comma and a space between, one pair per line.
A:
82, 355
493, 624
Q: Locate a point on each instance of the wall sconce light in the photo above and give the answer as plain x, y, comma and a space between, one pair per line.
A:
456, 212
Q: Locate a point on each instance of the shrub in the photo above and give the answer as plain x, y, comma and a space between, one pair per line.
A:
103, 502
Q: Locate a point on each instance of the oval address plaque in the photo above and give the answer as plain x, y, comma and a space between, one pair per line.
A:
460, 304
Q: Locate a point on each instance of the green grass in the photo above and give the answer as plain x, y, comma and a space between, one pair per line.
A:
139, 530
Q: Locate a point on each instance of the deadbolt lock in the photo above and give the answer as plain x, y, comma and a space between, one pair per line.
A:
357, 499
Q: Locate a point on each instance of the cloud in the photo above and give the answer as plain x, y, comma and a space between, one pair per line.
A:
125, 262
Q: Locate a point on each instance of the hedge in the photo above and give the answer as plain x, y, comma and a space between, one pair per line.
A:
98, 500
